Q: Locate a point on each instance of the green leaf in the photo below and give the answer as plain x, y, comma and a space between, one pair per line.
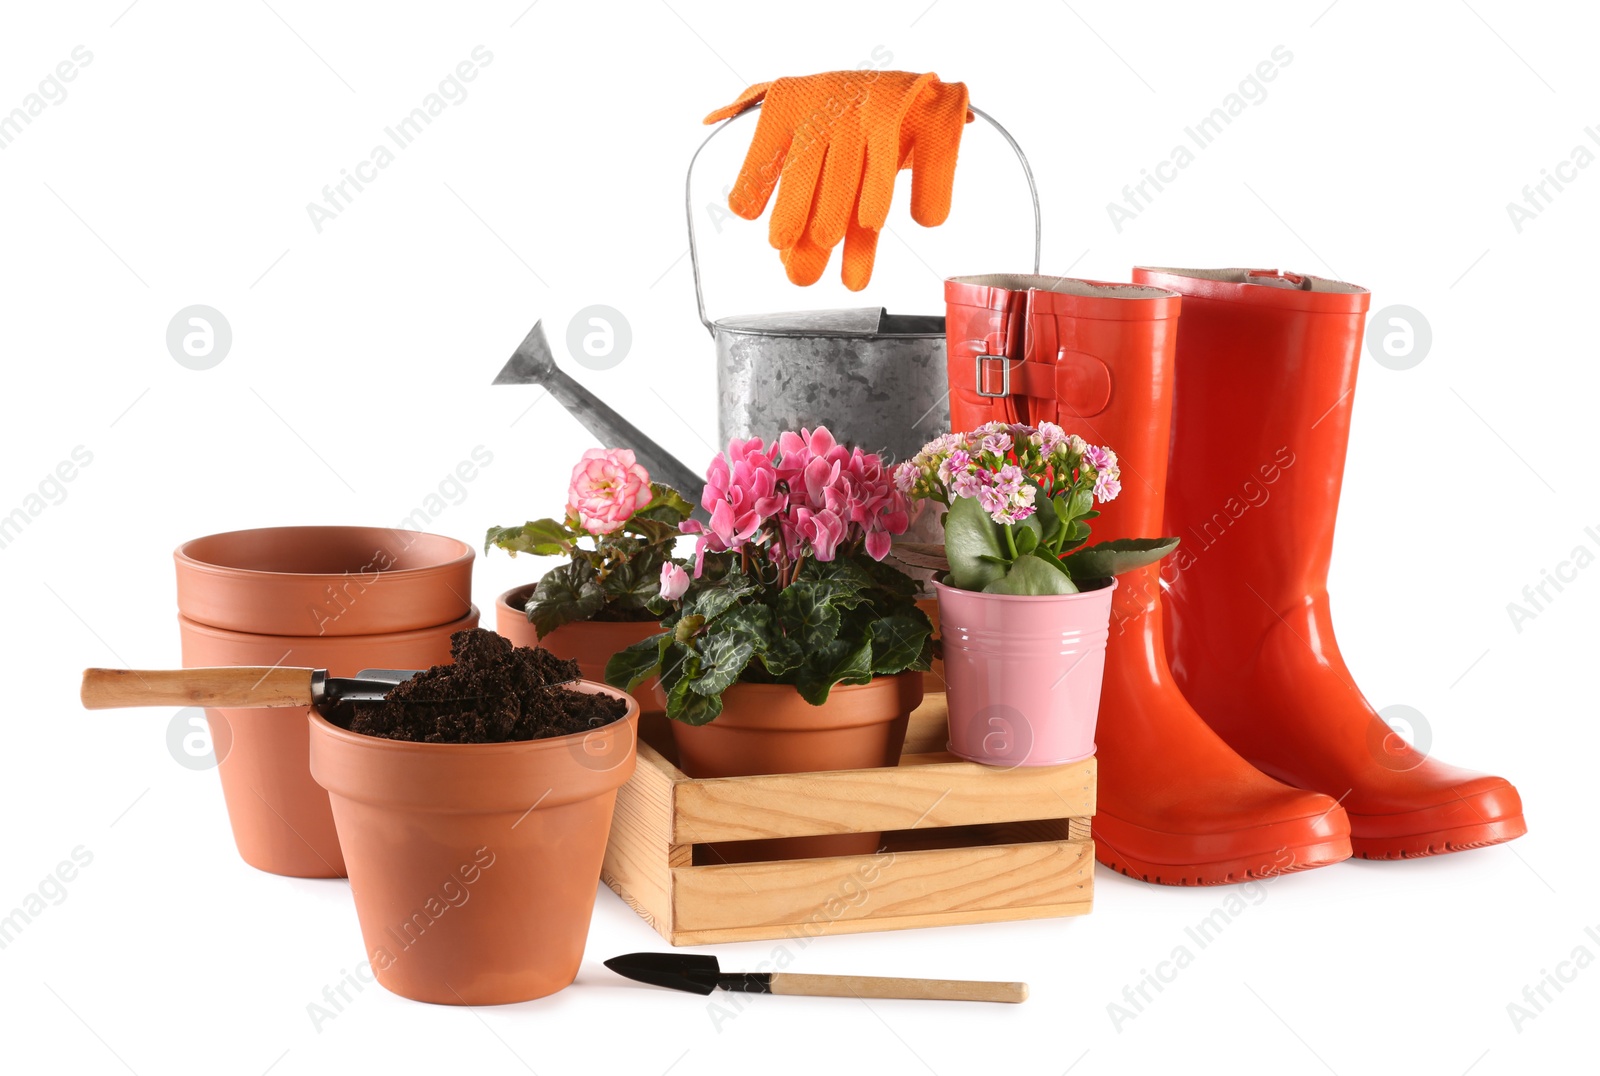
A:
809, 613
722, 658
1026, 538
975, 546
752, 622
897, 583
689, 706
1050, 525
837, 663
1032, 575
636, 663
541, 537
688, 627
650, 531
632, 583
1106, 559
666, 506
782, 656
899, 642
565, 594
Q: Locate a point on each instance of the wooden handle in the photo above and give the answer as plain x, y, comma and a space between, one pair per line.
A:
239, 685
871, 986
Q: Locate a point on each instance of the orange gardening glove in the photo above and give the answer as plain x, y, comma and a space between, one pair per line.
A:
836, 142
930, 135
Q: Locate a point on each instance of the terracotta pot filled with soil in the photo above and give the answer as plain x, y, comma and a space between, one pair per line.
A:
591, 643
770, 728
280, 817
473, 808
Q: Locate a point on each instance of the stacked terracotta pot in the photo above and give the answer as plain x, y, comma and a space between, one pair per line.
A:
337, 598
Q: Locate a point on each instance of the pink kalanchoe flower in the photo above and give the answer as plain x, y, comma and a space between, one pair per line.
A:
1008, 480
997, 443
608, 486
996, 503
905, 476
1099, 458
1051, 437
954, 464
969, 483
674, 582
1106, 488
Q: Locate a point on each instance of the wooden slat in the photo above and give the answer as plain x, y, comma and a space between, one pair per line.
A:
925, 790
931, 887
725, 935
639, 858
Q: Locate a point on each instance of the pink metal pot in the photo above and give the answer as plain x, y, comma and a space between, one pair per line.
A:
1023, 673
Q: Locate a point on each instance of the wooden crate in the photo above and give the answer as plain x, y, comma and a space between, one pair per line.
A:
963, 843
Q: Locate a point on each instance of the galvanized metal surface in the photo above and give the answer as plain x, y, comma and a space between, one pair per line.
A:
886, 393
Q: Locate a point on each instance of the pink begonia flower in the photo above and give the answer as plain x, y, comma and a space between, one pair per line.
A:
674, 582
608, 486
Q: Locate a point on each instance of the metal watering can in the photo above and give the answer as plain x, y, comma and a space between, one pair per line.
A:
876, 379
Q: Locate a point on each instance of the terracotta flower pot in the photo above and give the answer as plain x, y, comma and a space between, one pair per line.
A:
1023, 673
590, 643
305, 581
280, 816
474, 866
511, 618
769, 728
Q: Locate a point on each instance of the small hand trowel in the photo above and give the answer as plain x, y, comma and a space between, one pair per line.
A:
701, 974
241, 686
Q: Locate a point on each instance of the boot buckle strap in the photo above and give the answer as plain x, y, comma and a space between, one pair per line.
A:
979, 371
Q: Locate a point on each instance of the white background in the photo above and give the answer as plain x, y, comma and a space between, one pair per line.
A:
177, 171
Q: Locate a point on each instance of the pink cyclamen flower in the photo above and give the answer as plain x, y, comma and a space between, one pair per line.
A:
674, 582
608, 486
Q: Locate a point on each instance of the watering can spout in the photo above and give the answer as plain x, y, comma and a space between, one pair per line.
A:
534, 364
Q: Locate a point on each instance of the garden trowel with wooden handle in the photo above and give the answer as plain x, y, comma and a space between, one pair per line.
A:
240, 686
701, 974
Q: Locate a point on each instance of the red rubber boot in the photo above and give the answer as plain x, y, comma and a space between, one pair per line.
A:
1265, 382
1176, 804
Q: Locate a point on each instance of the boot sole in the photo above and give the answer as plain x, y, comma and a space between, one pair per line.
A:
1490, 814
1439, 842
1325, 850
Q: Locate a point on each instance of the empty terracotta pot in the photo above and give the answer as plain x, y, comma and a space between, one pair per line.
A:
474, 866
319, 581
511, 618
590, 643
280, 816
770, 728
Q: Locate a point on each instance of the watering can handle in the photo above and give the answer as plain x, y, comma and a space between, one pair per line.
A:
688, 202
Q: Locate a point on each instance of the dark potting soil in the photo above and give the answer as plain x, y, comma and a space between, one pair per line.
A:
492, 693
